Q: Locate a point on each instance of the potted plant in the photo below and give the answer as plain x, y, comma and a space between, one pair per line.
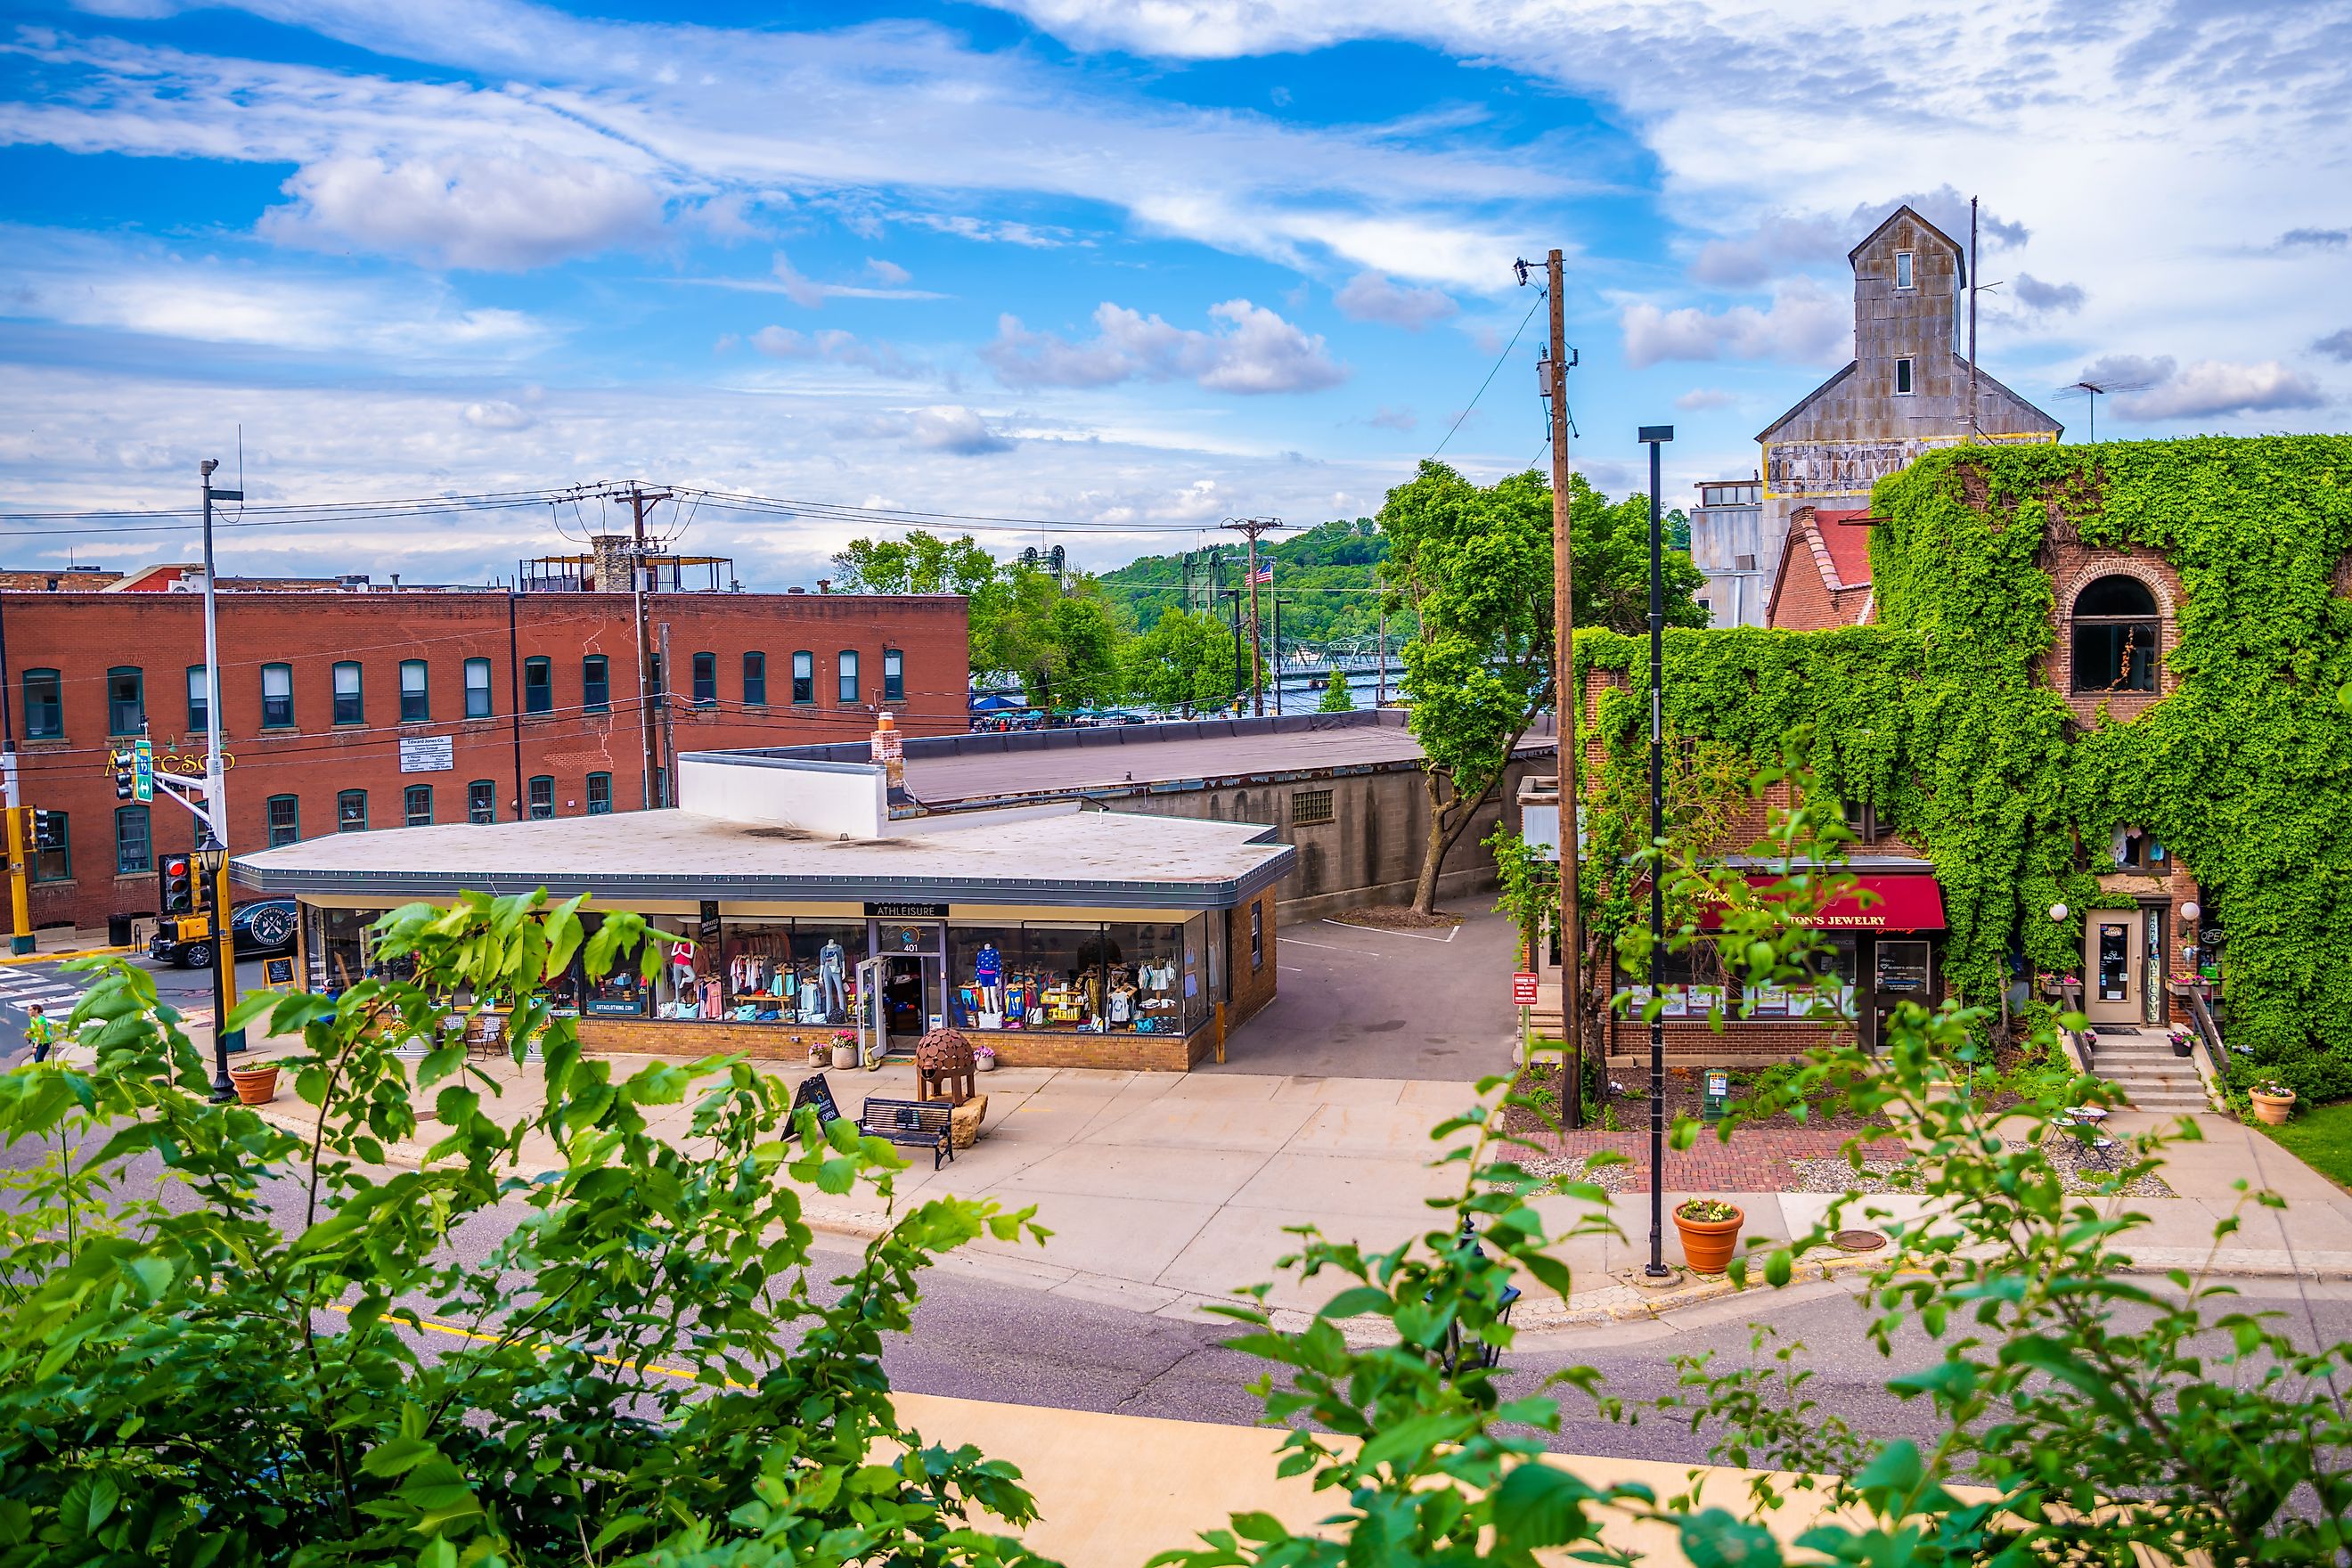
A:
1710, 1233
844, 1049
2183, 1042
258, 1084
2273, 1102
983, 1057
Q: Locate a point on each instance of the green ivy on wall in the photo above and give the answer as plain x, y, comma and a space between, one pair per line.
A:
1942, 714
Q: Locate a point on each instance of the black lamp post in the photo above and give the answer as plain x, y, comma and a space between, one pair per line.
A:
209, 857
1654, 436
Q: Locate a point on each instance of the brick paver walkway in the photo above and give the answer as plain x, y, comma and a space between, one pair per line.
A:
1756, 1160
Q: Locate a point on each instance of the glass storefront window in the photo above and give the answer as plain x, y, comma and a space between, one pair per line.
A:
791, 972
1117, 978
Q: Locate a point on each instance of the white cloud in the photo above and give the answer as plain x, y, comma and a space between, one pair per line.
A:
499, 416
957, 430
1704, 398
1258, 351
2037, 296
2214, 388
889, 272
835, 346
79, 282
1387, 418
1368, 297
1805, 325
504, 210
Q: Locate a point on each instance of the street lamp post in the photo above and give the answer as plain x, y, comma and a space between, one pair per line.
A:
1654, 436
210, 858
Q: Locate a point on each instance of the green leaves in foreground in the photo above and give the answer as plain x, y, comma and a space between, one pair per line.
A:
290, 1354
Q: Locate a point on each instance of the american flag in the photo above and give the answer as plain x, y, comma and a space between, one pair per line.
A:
1264, 574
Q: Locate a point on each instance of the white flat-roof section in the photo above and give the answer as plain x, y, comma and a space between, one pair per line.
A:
768, 829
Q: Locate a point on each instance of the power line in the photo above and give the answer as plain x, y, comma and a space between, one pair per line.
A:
1541, 294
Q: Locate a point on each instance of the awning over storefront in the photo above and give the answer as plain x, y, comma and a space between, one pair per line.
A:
1879, 901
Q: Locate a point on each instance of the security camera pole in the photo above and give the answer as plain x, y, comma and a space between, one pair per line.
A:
212, 816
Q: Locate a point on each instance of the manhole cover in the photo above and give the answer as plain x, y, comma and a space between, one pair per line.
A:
1857, 1241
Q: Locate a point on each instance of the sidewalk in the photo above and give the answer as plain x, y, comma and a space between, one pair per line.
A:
53, 942
1165, 1192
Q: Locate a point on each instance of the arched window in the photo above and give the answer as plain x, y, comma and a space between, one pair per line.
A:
2116, 637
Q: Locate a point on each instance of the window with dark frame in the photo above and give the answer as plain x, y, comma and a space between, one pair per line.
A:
478, 688
126, 702
200, 704
537, 685
845, 677
350, 811
706, 681
1902, 378
482, 801
600, 795
2116, 637
1310, 806
283, 813
542, 798
416, 806
596, 683
803, 677
894, 675
1257, 936
351, 704
415, 694
134, 843
1863, 817
755, 680
277, 697
45, 705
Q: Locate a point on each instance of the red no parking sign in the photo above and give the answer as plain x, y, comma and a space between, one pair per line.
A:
1523, 989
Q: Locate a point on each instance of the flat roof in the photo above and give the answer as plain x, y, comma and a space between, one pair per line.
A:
954, 771
1056, 854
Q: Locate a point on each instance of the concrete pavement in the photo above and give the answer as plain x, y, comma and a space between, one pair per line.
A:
1166, 1193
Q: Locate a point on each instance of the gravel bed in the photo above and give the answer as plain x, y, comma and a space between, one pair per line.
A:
2079, 1173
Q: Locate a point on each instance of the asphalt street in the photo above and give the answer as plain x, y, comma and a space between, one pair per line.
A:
49, 982
978, 1338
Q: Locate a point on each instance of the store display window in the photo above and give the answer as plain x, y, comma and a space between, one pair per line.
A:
342, 949
1117, 978
791, 972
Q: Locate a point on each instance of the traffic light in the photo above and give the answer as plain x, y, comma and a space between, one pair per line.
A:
47, 825
126, 785
177, 874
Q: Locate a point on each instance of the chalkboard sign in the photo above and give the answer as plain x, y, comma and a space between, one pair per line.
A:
707, 926
815, 1091
277, 971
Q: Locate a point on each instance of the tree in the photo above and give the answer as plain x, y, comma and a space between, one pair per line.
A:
1337, 698
1475, 564
919, 564
1060, 639
1612, 541
648, 1366
1185, 662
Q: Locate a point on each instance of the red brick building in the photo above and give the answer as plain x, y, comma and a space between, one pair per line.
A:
1823, 579
363, 708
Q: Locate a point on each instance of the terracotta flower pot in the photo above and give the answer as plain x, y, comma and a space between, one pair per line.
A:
1708, 1244
254, 1086
2273, 1109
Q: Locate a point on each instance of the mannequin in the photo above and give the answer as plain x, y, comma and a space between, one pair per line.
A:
988, 979
1119, 1006
833, 968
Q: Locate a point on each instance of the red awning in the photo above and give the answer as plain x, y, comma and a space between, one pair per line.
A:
1880, 901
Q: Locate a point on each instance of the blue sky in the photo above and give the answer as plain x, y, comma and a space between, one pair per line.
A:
1137, 265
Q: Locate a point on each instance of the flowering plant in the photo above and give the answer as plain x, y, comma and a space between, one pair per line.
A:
1707, 1211
984, 1051
2275, 1089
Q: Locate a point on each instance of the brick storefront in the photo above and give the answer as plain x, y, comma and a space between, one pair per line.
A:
478, 649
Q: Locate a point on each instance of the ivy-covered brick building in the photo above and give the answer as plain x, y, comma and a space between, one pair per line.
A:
2110, 680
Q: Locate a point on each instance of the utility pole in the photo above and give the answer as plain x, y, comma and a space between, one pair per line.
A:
640, 501
1274, 597
1380, 674
1568, 705
1251, 527
669, 739
1973, 433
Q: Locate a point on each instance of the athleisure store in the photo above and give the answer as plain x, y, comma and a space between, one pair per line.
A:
1059, 936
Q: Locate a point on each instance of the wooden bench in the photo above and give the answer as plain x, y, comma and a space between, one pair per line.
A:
919, 1123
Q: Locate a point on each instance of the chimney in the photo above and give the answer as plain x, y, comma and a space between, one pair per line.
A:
824, 584
614, 558
890, 749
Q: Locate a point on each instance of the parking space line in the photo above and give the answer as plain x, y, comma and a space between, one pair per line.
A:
1388, 931
1302, 941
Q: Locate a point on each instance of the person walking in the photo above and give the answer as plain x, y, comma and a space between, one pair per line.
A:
40, 1031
